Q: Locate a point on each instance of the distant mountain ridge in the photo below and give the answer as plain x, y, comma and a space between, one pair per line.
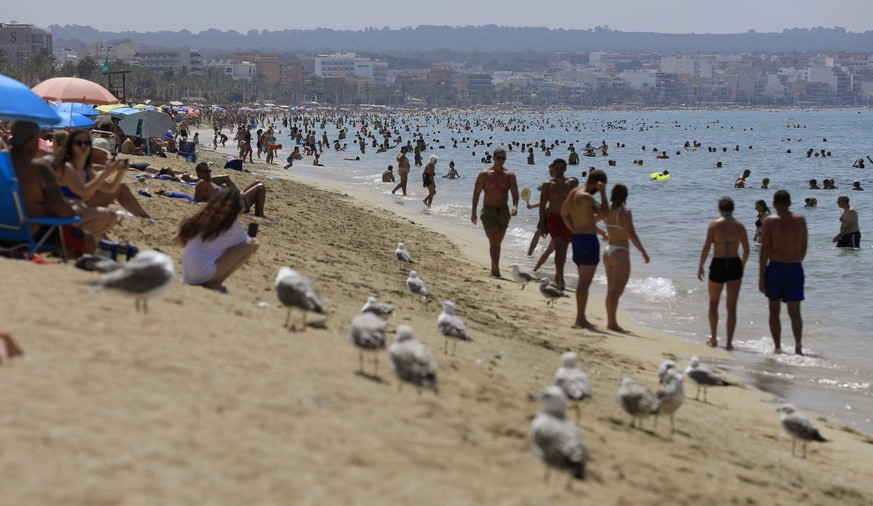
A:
484, 38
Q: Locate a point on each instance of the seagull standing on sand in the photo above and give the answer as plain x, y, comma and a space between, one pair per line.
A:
297, 291
412, 361
638, 401
572, 380
402, 253
670, 396
367, 332
555, 439
148, 274
377, 308
798, 427
522, 277
665, 367
703, 376
452, 326
551, 291
416, 286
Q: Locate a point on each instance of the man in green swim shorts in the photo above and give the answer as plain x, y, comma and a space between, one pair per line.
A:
496, 181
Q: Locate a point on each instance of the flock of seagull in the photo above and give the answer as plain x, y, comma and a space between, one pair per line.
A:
557, 440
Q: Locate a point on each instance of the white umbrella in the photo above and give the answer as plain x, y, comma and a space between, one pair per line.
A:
146, 124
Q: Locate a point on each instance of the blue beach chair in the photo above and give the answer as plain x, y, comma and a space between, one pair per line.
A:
15, 234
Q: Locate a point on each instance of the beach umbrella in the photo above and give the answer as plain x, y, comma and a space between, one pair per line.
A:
18, 102
72, 120
68, 108
109, 107
146, 124
175, 103
73, 89
123, 111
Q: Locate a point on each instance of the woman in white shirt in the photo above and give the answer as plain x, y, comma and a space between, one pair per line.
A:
216, 245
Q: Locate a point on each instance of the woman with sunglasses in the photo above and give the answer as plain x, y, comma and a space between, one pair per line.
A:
83, 176
216, 244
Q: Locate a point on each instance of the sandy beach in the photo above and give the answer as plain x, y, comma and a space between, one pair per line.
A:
207, 399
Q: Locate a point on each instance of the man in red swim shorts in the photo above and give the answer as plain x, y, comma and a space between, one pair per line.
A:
553, 193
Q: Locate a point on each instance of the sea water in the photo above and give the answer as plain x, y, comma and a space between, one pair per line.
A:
671, 217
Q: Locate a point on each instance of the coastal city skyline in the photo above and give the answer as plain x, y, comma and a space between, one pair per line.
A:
671, 16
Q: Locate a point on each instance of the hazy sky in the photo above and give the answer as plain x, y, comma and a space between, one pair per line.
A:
670, 16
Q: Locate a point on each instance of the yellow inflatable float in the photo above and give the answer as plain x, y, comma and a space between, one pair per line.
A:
660, 176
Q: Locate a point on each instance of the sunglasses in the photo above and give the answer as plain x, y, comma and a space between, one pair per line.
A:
81, 143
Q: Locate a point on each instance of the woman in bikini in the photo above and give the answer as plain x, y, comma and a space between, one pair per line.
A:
763, 212
616, 258
429, 179
724, 235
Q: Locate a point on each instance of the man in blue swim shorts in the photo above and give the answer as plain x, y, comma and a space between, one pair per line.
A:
581, 213
784, 241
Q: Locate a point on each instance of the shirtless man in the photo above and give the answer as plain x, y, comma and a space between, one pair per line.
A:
402, 170
581, 213
42, 195
783, 246
129, 148
849, 235
554, 191
495, 181
255, 194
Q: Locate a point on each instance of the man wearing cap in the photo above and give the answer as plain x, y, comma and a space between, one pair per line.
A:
850, 234
784, 240
42, 195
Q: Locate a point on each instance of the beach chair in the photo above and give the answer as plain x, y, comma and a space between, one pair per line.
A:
15, 234
187, 150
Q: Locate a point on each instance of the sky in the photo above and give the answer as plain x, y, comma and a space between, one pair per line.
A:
664, 16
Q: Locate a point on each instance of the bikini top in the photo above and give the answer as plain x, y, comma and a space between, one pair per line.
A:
614, 225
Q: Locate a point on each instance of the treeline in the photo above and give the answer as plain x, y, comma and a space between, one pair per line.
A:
483, 38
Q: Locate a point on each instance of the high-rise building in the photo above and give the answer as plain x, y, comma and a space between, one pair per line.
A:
19, 41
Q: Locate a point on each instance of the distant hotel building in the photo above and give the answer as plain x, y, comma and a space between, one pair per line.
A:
19, 41
348, 65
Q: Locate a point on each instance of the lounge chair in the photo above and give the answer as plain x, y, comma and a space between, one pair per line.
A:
15, 234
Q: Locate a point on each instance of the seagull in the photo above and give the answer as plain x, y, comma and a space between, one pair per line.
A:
522, 277
402, 253
665, 367
638, 401
450, 325
572, 380
412, 361
416, 286
367, 332
798, 427
377, 308
148, 274
555, 439
670, 396
297, 291
703, 376
551, 291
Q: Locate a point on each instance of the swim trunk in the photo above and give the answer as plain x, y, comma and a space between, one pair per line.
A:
557, 228
586, 249
850, 240
784, 281
495, 217
722, 270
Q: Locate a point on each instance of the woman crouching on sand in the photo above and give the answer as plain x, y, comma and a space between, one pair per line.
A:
616, 258
216, 245
429, 179
725, 235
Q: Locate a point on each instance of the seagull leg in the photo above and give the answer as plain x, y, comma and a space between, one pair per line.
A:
361, 362
136, 304
375, 365
672, 429
304, 320
576, 407
697, 394
454, 345
446, 347
804, 449
655, 425
705, 391
793, 441
145, 306
546, 477
288, 318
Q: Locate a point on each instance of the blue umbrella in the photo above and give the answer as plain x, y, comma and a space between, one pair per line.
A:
17, 102
76, 108
72, 120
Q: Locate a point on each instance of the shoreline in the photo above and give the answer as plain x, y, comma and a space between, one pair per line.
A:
106, 404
